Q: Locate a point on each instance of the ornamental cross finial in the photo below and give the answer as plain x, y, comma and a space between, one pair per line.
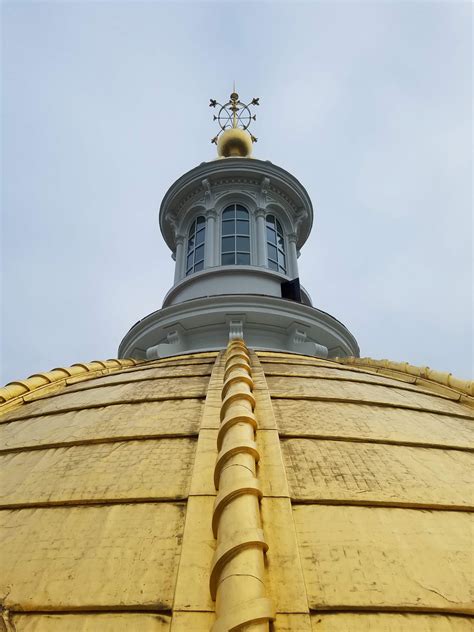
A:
234, 114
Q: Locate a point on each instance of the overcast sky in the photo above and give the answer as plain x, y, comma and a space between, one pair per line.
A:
106, 104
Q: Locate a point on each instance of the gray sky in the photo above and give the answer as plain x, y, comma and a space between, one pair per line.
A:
105, 105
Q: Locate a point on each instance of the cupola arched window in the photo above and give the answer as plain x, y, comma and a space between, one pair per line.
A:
196, 239
275, 245
235, 236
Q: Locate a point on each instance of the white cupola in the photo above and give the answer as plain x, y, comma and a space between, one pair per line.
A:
235, 227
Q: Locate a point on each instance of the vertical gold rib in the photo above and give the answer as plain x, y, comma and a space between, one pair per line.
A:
237, 575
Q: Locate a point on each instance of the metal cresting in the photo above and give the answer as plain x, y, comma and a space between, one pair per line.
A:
237, 574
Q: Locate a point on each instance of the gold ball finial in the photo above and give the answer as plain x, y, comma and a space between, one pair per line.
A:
234, 118
234, 142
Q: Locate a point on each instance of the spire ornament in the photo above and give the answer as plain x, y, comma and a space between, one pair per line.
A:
234, 118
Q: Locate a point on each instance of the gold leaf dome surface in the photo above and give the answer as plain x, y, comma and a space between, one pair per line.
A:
115, 473
234, 142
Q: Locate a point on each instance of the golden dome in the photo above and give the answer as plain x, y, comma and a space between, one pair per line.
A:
327, 495
234, 142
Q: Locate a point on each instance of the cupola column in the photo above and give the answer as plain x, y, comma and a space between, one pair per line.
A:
178, 271
261, 245
292, 255
210, 249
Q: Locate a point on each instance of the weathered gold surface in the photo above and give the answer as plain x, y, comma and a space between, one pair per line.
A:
278, 356
354, 391
129, 470
339, 437
370, 557
193, 606
146, 373
375, 473
192, 621
359, 422
203, 622
283, 568
292, 623
65, 558
97, 622
389, 622
332, 373
149, 390
425, 373
192, 588
109, 423
57, 378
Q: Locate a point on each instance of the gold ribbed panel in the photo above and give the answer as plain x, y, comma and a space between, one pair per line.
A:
92, 622
95, 488
140, 420
357, 421
15, 393
389, 622
105, 557
377, 558
357, 479
380, 474
421, 375
155, 470
355, 391
130, 391
238, 571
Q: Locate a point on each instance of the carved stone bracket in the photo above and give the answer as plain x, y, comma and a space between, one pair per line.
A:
208, 194
262, 194
236, 329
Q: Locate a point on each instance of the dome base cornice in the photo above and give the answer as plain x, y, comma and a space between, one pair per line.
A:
267, 322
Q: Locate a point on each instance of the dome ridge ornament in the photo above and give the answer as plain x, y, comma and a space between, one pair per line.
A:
234, 118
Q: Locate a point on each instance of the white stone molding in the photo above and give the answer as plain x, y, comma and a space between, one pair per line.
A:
236, 329
173, 221
299, 343
261, 238
180, 257
211, 212
292, 255
229, 280
256, 177
320, 351
246, 182
297, 335
263, 191
300, 216
205, 309
270, 323
208, 194
175, 343
212, 237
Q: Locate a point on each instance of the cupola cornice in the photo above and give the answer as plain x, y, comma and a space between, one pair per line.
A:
199, 185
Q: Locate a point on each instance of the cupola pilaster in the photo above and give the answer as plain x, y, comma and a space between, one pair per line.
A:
178, 271
212, 237
261, 242
292, 254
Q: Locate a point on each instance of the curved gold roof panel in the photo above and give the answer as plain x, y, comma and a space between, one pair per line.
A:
237, 490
